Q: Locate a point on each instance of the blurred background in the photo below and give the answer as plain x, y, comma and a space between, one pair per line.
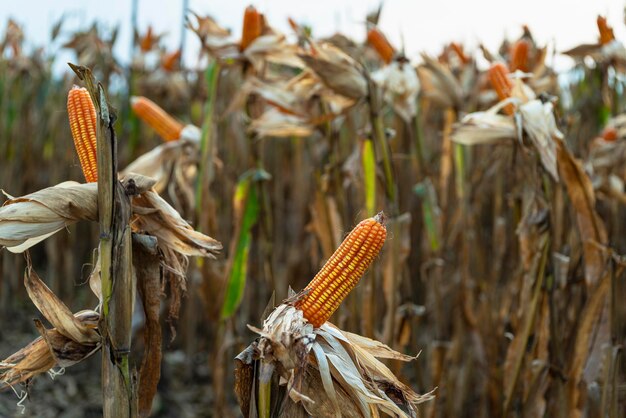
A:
486, 269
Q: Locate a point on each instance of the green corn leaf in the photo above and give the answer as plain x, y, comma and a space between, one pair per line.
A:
247, 207
369, 176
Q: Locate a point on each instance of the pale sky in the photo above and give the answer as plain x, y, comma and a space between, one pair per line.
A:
423, 25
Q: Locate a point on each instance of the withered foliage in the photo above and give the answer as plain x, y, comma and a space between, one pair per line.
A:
503, 264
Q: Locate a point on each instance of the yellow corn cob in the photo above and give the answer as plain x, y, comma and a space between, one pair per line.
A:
166, 126
498, 76
379, 42
342, 271
606, 32
82, 115
252, 27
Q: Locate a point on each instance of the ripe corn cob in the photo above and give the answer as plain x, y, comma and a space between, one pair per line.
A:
169, 61
166, 126
498, 76
379, 42
458, 49
82, 115
342, 271
519, 56
252, 27
147, 42
606, 32
609, 134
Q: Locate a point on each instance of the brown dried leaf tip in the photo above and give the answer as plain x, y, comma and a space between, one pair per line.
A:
342, 271
82, 115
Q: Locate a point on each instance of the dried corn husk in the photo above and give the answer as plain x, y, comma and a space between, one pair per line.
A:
73, 338
337, 70
326, 371
485, 127
27, 220
401, 86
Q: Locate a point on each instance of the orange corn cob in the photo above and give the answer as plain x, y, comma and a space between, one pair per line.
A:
169, 61
609, 134
519, 56
252, 27
342, 271
147, 42
458, 49
379, 42
82, 115
606, 32
498, 76
166, 126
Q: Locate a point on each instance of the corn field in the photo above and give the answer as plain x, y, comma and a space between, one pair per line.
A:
303, 226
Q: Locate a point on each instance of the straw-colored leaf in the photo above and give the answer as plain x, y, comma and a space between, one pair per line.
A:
590, 226
56, 311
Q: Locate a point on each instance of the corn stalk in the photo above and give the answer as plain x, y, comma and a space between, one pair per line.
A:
115, 261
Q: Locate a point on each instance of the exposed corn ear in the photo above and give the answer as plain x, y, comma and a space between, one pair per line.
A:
342, 271
609, 134
148, 41
252, 27
458, 49
379, 42
169, 61
499, 78
82, 116
519, 56
166, 126
606, 32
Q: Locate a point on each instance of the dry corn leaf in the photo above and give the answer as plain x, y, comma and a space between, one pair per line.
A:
56, 311
164, 160
274, 123
27, 220
538, 122
337, 70
590, 226
156, 217
439, 84
43, 354
485, 127
146, 263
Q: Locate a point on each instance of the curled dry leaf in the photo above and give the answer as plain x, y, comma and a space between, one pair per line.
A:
439, 84
27, 220
73, 338
485, 127
274, 123
590, 226
56, 311
337, 70
156, 217
538, 122
165, 161
146, 262
43, 354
